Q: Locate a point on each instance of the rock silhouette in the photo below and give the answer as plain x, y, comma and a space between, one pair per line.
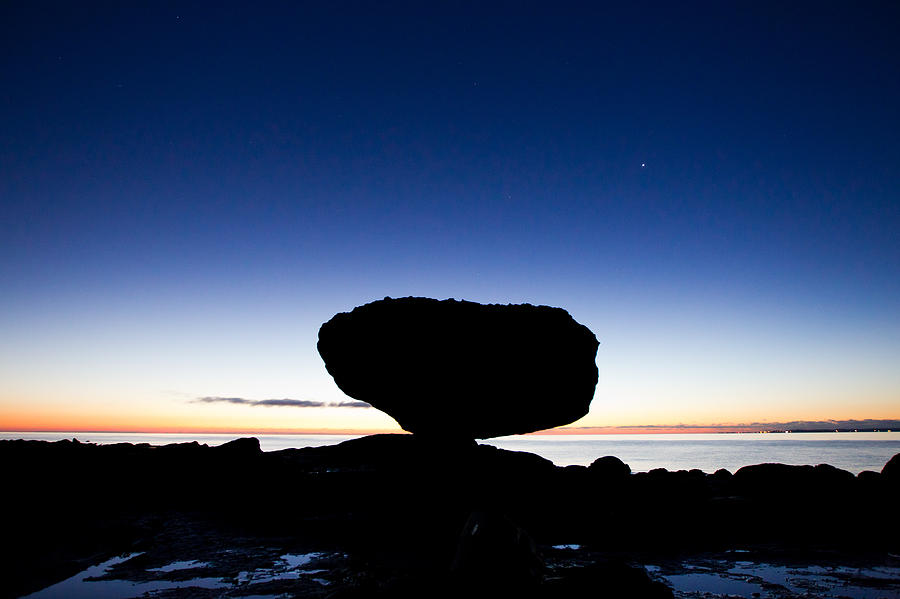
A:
458, 369
392, 497
891, 470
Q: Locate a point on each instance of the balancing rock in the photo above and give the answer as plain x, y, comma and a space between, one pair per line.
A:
462, 370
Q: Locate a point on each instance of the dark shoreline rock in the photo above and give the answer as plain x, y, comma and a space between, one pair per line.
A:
458, 369
402, 496
891, 470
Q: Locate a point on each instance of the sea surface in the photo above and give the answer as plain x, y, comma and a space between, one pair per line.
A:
853, 452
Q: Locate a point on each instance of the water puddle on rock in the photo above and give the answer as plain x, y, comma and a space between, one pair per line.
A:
288, 566
76, 587
182, 565
706, 583
719, 578
263, 574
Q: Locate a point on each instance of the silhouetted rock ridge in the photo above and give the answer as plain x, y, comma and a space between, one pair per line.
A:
461, 369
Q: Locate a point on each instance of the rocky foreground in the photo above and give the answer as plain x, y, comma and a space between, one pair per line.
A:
416, 518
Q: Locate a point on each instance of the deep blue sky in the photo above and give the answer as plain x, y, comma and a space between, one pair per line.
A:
689, 179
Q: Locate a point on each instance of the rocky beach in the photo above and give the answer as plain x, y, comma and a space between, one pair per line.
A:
389, 515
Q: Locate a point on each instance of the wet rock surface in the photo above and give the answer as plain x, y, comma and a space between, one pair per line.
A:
776, 573
193, 558
458, 369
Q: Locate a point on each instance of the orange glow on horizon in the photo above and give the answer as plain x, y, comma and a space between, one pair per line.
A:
70, 420
201, 430
562, 431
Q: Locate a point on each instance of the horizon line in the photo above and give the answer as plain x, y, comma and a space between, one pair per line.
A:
867, 425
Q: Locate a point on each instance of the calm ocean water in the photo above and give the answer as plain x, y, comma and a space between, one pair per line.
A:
854, 452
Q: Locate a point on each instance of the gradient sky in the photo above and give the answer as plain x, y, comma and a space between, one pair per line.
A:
188, 190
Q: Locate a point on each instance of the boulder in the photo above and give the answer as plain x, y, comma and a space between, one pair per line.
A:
458, 369
246, 447
610, 467
794, 482
891, 470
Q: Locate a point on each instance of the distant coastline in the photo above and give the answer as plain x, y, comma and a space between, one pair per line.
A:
828, 430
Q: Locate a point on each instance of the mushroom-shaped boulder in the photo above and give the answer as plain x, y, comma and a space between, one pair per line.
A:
459, 369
